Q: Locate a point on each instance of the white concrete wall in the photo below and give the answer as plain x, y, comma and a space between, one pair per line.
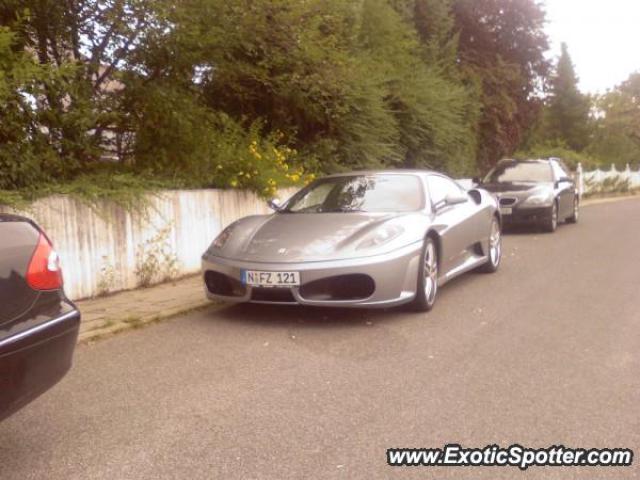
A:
91, 241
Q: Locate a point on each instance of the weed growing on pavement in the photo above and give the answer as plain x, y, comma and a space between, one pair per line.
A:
155, 259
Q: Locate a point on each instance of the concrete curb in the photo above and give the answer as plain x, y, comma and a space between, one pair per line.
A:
131, 309
595, 201
113, 327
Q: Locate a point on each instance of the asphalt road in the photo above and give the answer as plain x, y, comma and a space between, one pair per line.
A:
545, 352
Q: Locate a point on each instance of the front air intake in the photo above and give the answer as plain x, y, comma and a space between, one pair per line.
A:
356, 286
221, 284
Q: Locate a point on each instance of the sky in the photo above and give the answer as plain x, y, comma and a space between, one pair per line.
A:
603, 38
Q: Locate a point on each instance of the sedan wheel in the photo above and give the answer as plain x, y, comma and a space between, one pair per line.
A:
427, 286
576, 211
551, 223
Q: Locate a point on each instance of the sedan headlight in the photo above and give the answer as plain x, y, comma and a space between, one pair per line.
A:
541, 199
381, 236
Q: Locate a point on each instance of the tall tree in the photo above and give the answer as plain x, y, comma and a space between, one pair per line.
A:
617, 132
85, 46
501, 52
567, 116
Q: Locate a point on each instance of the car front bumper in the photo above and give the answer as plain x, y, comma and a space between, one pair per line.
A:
524, 216
394, 275
34, 360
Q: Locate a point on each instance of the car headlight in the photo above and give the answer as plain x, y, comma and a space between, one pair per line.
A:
381, 236
539, 199
223, 237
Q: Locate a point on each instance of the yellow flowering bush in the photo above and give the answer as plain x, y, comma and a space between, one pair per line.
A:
265, 165
236, 156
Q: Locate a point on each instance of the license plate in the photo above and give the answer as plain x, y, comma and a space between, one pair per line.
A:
506, 210
258, 278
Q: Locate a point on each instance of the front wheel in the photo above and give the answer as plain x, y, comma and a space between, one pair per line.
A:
550, 224
494, 254
576, 211
427, 287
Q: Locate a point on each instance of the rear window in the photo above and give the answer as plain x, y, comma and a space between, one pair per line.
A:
15, 234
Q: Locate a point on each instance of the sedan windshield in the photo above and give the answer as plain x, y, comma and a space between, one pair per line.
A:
359, 193
532, 171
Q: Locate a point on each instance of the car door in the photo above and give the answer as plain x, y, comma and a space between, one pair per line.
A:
457, 224
564, 188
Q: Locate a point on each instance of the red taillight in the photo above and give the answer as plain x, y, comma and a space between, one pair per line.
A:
44, 271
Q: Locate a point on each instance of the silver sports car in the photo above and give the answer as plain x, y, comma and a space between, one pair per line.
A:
364, 239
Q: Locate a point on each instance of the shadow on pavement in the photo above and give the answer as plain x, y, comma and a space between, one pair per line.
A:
521, 230
304, 316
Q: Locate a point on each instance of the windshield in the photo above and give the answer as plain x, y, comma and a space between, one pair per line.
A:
359, 193
525, 171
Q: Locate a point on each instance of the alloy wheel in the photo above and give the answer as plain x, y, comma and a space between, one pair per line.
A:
495, 243
430, 272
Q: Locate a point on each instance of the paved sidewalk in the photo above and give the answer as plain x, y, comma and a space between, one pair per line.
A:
134, 308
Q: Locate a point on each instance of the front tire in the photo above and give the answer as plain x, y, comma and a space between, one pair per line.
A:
576, 211
427, 287
550, 224
494, 254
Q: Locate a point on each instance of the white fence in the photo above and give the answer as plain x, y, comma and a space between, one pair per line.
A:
110, 249
589, 182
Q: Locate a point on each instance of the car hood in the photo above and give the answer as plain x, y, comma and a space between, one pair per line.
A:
303, 237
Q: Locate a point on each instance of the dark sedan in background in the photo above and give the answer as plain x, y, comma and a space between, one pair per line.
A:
38, 324
534, 192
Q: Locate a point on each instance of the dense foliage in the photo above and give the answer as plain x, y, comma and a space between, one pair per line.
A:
616, 136
256, 94
593, 130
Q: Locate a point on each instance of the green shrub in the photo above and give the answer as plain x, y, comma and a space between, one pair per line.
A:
570, 157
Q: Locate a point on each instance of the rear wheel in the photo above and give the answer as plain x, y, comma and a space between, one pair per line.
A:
550, 224
494, 254
427, 277
576, 211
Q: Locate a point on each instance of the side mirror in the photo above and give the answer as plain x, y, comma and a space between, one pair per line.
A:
274, 204
453, 199
562, 180
476, 180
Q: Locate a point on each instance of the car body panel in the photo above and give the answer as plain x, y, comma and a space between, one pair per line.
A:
38, 329
327, 245
299, 237
395, 274
17, 243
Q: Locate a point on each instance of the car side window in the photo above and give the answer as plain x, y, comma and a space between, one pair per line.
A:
558, 171
440, 188
566, 169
